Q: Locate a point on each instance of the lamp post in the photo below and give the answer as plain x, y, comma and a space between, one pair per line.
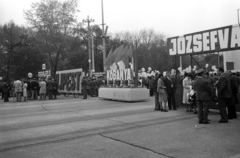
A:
88, 21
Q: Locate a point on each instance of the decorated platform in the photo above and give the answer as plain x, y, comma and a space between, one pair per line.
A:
124, 94
121, 82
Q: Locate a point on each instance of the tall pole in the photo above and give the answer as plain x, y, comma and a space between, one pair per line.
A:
191, 63
88, 21
135, 65
103, 39
218, 60
93, 62
180, 58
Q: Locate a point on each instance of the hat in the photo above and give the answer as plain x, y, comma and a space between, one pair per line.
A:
199, 71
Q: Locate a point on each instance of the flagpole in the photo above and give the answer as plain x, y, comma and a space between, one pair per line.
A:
135, 65
103, 39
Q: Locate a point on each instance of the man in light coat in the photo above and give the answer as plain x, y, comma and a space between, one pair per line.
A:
42, 91
18, 89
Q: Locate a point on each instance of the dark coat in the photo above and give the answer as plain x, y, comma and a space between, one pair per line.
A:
155, 82
203, 91
55, 85
5, 87
84, 82
174, 80
34, 85
234, 88
50, 85
224, 86
168, 84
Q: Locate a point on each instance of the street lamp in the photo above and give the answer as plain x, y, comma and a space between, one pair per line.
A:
88, 21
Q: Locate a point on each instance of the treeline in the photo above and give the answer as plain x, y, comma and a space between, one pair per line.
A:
55, 37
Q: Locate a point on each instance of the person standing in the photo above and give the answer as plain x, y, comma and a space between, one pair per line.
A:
203, 93
161, 89
224, 92
42, 91
18, 89
84, 87
25, 85
233, 100
91, 87
186, 89
6, 91
34, 88
55, 88
29, 89
156, 94
170, 87
50, 88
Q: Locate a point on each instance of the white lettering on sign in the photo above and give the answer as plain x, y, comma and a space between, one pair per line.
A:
189, 43
172, 50
223, 38
181, 45
235, 37
214, 40
206, 41
197, 43
119, 74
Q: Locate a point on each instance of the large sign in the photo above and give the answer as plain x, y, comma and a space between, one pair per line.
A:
120, 74
209, 41
69, 81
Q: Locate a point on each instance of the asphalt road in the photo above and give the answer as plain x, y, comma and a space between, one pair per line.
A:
97, 128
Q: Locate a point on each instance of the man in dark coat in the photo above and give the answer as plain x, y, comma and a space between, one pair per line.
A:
29, 89
232, 114
203, 93
84, 87
224, 93
91, 87
168, 82
50, 88
5, 90
55, 88
34, 88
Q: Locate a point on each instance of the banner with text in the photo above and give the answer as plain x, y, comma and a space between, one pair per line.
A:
209, 41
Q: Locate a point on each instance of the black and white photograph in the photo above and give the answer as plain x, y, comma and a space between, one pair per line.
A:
119, 79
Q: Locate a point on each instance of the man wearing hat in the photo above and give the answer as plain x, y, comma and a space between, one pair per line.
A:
203, 93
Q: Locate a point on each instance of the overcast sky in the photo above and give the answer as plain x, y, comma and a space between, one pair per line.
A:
171, 17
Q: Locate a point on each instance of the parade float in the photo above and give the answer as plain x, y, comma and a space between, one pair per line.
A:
121, 77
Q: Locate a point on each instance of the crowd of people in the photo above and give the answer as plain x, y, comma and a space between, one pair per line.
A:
29, 89
199, 89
